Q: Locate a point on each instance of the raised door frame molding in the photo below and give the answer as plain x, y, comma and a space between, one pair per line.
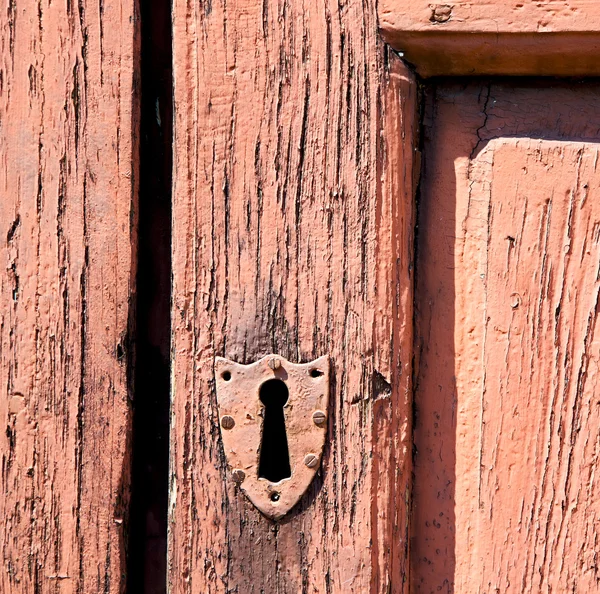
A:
501, 37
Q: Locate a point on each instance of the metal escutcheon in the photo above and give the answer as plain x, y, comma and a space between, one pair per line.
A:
243, 422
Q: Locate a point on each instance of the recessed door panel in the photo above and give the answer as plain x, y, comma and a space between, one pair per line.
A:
507, 431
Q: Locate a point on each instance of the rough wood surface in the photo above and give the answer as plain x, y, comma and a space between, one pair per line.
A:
495, 37
500, 16
292, 233
507, 418
67, 194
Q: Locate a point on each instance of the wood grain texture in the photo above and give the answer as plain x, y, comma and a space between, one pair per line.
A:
507, 419
509, 37
292, 233
491, 16
68, 167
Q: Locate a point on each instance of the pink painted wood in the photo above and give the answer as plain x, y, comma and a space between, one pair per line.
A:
507, 414
293, 225
68, 189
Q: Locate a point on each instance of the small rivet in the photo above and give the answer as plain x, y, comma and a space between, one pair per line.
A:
227, 422
311, 460
275, 497
274, 364
319, 418
238, 475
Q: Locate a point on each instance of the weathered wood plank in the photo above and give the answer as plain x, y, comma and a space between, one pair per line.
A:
507, 418
68, 176
292, 233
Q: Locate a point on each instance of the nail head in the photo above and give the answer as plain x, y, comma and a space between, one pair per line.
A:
515, 300
227, 422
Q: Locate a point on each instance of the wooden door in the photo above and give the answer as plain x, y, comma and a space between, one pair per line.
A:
507, 409
291, 225
294, 165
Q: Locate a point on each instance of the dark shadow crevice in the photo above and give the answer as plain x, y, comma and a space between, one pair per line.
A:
147, 559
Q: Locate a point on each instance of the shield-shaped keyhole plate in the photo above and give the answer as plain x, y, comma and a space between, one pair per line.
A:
242, 420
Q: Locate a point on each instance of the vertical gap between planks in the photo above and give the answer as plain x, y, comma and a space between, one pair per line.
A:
422, 85
147, 560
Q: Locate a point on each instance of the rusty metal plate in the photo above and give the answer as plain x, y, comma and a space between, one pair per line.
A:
243, 416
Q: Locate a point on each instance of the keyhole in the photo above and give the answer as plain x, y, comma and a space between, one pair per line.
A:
274, 463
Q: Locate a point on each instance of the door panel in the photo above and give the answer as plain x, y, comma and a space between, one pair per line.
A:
507, 423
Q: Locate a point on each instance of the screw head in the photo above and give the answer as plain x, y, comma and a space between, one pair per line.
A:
319, 418
274, 364
227, 422
311, 460
238, 475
